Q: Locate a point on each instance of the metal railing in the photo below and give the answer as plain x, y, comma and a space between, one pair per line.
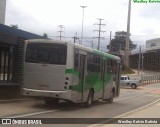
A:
147, 79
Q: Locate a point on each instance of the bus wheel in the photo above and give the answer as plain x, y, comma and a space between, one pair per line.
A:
89, 101
51, 100
110, 100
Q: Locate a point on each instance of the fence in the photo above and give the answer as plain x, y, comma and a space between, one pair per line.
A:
146, 79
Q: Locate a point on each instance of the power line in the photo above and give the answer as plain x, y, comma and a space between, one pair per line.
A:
61, 27
75, 38
92, 44
110, 41
99, 32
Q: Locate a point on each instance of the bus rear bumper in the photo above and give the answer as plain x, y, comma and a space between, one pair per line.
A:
66, 95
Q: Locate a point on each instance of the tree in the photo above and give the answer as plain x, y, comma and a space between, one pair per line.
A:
119, 42
45, 35
14, 26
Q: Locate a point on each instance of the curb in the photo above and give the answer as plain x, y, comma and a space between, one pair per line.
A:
138, 109
15, 100
111, 120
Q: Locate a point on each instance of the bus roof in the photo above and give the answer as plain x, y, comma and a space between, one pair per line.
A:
76, 46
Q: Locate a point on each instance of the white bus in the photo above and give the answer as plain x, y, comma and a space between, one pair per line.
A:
60, 70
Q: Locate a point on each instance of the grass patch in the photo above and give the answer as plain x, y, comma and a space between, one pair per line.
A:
127, 70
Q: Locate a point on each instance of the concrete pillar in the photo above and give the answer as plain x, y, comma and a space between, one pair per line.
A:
2, 11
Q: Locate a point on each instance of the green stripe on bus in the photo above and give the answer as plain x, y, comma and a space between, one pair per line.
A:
92, 80
72, 71
105, 55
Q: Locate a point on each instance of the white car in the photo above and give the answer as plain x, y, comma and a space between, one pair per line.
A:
126, 81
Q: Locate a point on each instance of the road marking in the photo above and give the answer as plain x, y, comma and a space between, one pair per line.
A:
51, 111
127, 98
31, 114
100, 124
15, 100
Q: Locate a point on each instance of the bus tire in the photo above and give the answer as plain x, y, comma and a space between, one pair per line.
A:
49, 101
89, 101
110, 100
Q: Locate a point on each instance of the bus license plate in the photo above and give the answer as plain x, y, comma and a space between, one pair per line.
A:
43, 87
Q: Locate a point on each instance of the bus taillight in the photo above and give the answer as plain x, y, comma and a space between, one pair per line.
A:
66, 83
67, 78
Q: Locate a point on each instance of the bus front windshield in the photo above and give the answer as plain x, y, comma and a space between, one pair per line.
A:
47, 53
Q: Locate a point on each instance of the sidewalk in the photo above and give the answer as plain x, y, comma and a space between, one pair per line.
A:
149, 111
144, 72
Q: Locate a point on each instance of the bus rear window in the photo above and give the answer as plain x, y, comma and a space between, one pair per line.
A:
46, 53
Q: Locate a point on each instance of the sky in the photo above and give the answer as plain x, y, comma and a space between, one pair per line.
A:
44, 16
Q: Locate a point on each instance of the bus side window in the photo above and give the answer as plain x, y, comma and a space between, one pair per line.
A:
114, 66
109, 66
93, 62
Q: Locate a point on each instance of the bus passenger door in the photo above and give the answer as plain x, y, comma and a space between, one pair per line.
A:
103, 68
118, 79
82, 73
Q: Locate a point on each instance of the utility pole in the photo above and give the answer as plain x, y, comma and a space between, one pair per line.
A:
75, 38
139, 59
110, 46
61, 30
127, 35
92, 44
99, 31
142, 58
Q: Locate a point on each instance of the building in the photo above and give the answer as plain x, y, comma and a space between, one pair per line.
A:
153, 44
2, 11
11, 58
149, 59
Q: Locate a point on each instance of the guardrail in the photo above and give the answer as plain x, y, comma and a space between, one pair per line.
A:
146, 79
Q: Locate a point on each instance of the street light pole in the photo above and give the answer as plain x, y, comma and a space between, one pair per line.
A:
127, 35
82, 23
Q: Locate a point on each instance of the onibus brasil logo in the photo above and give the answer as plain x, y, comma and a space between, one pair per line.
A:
146, 1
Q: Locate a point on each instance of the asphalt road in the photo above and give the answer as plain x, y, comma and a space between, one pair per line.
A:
129, 100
